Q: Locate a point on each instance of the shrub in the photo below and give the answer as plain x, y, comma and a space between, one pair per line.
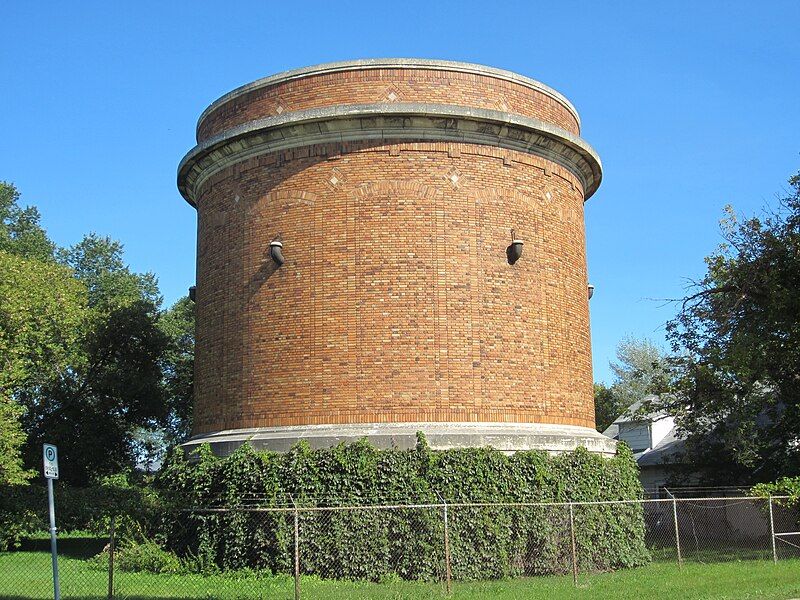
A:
145, 556
785, 486
23, 509
18, 517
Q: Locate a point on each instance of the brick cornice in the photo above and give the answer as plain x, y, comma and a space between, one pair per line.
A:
389, 122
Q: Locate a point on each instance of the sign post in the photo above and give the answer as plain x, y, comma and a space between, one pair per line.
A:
51, 472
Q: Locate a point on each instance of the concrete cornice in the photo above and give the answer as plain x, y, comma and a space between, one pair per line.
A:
391, 63
396, 121
506, 437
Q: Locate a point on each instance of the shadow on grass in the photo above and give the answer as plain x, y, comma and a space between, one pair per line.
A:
70, 547
126, 596
711, 555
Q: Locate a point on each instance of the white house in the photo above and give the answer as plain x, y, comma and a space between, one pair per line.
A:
653, 439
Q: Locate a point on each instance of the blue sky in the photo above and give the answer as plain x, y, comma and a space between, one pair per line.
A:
691, 106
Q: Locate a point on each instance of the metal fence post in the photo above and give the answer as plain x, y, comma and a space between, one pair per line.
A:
296, 552
772, 532
574, 552
448, 574
677, 532
111, 544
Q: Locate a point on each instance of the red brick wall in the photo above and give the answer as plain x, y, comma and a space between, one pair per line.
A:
375, 85
396, 301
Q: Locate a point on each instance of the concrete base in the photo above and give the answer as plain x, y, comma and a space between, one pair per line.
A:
507, 437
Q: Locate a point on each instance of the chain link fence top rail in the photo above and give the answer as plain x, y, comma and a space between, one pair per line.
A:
252, 551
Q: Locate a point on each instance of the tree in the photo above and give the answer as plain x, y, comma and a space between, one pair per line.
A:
20, 231
607, 406
12, 437
736, 387
37, 303
177, 324
87, 360
99, 263
41, 308
114, 386
640, 370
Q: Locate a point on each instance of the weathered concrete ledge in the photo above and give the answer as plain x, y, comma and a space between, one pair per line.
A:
506, 437
391, 122
391, 63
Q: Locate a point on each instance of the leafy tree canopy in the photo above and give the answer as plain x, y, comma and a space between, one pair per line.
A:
736, 383
87, 358
177, 324
20, 231
98, 262
639, 370
41, 310
12, 437
93, 411
607, 406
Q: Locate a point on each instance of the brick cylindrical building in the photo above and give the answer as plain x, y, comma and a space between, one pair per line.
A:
396, 188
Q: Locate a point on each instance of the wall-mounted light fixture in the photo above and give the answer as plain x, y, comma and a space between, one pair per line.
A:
591, 291
193, 293
276, 252
514, 250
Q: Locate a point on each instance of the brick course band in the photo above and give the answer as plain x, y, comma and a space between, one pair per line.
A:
394, 305
416, 66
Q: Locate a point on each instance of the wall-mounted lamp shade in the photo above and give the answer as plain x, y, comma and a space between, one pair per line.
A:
276, 252
591, 291
193, 293
514, 251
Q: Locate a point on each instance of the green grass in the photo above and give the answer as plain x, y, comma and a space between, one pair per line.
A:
27, 575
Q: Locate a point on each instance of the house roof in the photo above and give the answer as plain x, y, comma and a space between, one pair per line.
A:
631, 416
665, 451
612, 431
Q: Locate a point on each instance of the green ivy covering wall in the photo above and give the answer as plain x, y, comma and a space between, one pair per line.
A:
372, 544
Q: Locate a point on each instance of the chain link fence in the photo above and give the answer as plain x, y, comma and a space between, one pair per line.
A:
290, 551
